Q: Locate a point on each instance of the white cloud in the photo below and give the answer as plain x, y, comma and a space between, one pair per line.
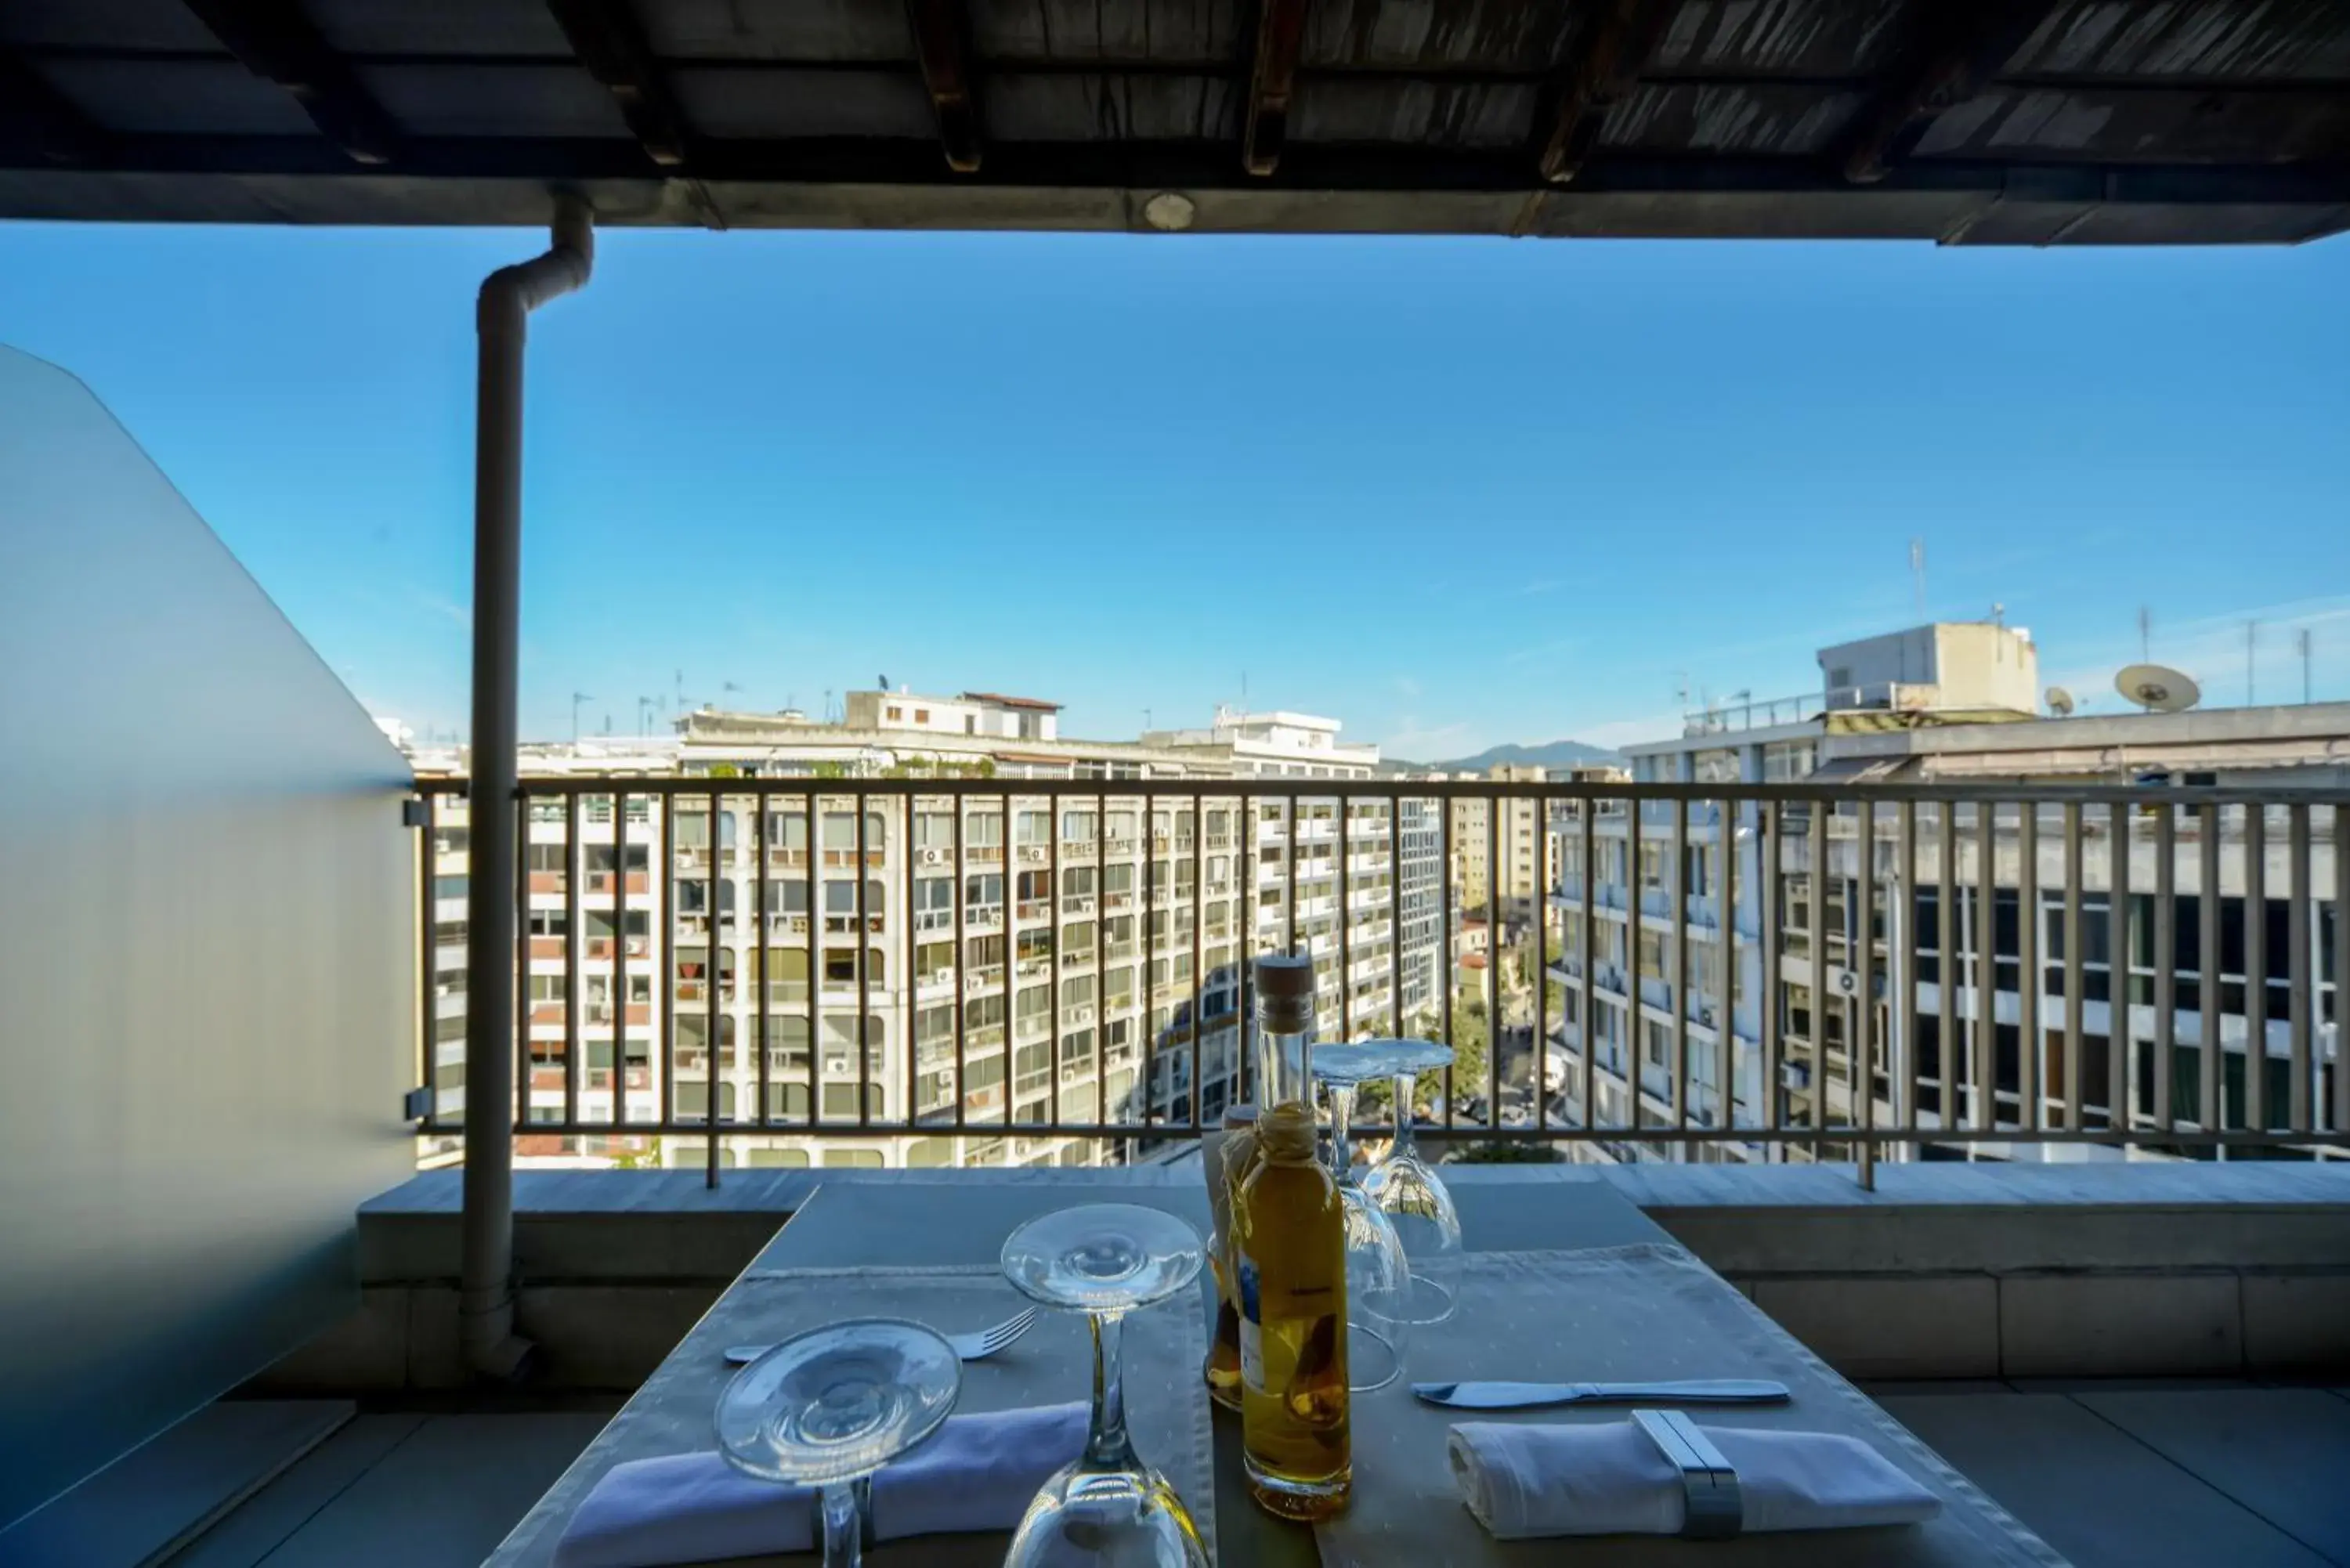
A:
1626, 732
2211, 650
1414, 744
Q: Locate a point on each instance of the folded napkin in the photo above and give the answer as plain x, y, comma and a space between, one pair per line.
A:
1610, 1480
978, 1473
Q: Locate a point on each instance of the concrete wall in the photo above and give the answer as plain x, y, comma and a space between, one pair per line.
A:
207, 953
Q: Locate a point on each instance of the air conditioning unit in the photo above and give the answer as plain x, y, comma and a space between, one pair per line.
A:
1032, 852
934, 857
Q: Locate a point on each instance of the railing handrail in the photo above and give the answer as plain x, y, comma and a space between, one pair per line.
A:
1276, 790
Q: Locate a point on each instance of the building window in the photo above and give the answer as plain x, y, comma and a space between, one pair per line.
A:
894, 714
921, 716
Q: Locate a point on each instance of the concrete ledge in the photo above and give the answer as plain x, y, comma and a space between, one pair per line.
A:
1945, 1270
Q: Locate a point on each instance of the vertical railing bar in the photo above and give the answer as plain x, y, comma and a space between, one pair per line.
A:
1146, 808
815, 853
521, 956
2072, 967
1344, 810
1676, 912
1054, 956
1725, 914
665, 963
2031, 1048
620, 1068
1493, 926
1197, 1001
2341, 969
1635, 1028
2302, 997
2211, 1112
860, 802
2256, 969
710, 988
909, 984
428, 904
575, 980
1101, 956
2121, 1033
1590, 1027
1296, 840
1864, 1075
961, 962
1951, 961
1816, 1049
1901, 1076
759, 804
1538, 904
1446, 976
2166, 962
1395, 921
1986, 1030
1769, 927
1244, 938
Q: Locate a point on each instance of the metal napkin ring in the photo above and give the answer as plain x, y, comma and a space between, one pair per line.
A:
1716, 1510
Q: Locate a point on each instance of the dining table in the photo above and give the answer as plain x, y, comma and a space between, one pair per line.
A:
1561, 1278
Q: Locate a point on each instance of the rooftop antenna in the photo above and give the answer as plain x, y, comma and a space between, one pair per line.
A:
2250, 628
607, 722
577, 698
1998, 614
1917, 574
2145, 635
644, 715
2300, 641
680, 679
1146, 720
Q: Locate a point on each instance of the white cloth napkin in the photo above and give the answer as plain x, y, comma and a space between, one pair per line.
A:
977, 1473
1522, 1481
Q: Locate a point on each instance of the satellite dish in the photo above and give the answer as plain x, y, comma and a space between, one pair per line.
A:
2157, 688
2060, 702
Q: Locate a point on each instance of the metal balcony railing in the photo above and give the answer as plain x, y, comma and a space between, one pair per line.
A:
1968, 974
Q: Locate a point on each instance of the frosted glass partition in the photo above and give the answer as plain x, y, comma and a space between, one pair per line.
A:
207, 951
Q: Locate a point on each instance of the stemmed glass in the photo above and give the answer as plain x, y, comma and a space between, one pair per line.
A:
1108, 1506
1408, 1192
828, 1407
1378, 1274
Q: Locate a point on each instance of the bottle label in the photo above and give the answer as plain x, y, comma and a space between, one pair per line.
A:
1250, 1333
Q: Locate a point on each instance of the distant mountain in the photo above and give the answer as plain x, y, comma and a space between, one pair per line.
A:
1551, 754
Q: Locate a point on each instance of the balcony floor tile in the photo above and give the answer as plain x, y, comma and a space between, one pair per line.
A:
2281, 1452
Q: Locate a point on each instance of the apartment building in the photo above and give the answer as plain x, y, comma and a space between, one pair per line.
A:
1997, 896
1494, 849
1077, 955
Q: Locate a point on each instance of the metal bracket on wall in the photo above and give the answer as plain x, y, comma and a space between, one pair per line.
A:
416, 1104
416, 811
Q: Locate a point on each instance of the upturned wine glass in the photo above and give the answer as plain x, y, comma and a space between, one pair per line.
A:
1378, 1274
1406, 1188
1109, 1508
828, 1407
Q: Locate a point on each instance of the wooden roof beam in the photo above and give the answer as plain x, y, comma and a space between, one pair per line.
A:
1603, 69
610, 42
1272, 82
37, 117
275, 40
942, 45
1957, 50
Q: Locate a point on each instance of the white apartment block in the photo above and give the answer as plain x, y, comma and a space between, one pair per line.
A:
1060, 948
1653, 911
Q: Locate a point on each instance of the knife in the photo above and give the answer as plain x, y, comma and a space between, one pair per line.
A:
1527, 1395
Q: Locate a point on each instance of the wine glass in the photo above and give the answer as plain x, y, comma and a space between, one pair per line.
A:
1406, 1189
1378, 1274
828, 1407
1108, 1506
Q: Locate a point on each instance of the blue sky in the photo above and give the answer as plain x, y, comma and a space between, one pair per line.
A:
1453, 492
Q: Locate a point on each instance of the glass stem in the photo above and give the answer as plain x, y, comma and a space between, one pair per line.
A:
1342, 1118
844, 1545
1107, 1444
1405, 1148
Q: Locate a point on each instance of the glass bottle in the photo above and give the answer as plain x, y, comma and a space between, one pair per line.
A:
1288, 1252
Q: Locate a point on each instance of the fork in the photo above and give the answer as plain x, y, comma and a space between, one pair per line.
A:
977, 1346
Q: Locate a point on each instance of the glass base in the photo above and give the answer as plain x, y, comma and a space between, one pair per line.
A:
1286, 1497
1431, 1302
1224, 1383
1112, 1519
